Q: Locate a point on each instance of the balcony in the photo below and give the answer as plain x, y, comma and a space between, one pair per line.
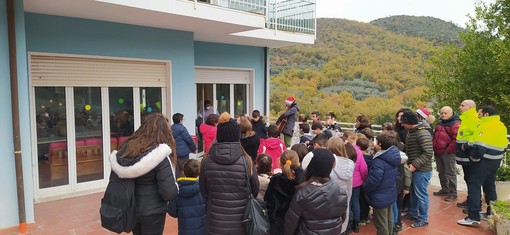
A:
287, 15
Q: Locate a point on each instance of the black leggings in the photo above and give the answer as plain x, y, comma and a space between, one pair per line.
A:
150, 225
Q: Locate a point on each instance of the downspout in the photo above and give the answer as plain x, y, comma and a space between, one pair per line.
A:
11, 31
266, 84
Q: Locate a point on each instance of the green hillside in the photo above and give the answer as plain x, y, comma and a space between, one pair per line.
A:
353, 67
434, 29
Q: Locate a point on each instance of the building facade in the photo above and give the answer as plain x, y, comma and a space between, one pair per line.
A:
88, 71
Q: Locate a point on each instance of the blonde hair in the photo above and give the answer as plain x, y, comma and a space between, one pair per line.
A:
245, 126
289, 160
337, 146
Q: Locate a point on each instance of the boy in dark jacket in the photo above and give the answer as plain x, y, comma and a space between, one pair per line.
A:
380, 186
183, 142
190, 206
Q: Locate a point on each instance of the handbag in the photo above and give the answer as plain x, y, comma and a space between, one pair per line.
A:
255, 218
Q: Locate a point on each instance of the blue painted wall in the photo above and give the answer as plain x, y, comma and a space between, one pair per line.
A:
8, 194
226, 55
56, 34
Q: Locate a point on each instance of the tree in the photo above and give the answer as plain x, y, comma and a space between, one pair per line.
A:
479, 69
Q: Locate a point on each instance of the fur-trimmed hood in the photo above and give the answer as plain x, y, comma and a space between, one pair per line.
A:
145, 164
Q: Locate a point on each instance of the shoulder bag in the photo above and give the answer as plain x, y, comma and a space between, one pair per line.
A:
255, 218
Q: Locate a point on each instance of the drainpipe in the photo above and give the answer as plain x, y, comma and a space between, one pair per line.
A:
266, 84
11, 31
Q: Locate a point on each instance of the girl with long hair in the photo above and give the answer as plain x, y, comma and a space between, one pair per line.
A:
249, 139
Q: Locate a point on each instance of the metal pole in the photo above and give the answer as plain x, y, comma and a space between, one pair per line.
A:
11, 31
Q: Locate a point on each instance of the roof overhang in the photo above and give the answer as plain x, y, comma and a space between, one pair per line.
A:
208, 23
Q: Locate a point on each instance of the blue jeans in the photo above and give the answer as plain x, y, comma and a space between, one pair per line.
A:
355, 208
394, 211
419, 195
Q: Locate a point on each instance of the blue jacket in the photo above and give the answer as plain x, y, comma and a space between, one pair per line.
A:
380, 186
189, 207
183, 141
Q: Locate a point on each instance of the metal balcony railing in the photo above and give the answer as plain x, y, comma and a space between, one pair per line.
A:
292, 16
285, 15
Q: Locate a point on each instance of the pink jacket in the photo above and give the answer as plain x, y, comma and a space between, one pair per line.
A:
209, 134
360, 169
273, 147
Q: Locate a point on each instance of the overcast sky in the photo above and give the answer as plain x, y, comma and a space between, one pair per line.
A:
368, 10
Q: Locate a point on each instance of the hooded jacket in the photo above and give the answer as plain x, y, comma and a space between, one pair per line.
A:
278, 196
360, 169
209, 134
273, 147
291, 116
189, 207
183, 141
380, 185
317, 209
342, 173
154, 178
419, 148
223, 184
445, 135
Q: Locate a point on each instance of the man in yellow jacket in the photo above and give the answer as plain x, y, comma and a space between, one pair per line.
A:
487, 149
468, 125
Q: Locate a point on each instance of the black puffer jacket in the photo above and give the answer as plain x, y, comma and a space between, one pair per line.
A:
317, 209
278, 196
155, 179
419, 147
223, 185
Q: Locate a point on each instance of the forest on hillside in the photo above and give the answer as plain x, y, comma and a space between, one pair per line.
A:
353, 68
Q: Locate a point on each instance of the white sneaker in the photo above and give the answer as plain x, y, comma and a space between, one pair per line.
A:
468, 222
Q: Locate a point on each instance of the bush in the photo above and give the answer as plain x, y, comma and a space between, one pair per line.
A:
503, 172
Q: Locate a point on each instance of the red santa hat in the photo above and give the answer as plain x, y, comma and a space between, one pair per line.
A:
289, 100
423, 112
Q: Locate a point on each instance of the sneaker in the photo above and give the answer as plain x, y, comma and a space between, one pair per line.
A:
463, 204
451, 198
409, 217
468, 222
419, 224
398, 227
484, 216
440, 193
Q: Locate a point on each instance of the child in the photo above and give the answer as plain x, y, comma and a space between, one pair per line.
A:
281, 188
183, 142
273, 146
264, 165
208, 130
259, 124
359, 176
306, 137
380, 185
320, 204
190, 206
363, 144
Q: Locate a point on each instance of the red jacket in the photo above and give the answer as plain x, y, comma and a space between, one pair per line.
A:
273, 147
445, 135
209, 134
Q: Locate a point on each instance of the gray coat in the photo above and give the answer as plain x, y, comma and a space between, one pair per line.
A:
291, 116
317, 209
223, 184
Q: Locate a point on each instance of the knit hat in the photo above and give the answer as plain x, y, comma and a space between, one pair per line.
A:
409, 117
289, 100
321, 163
227, 129
423, 112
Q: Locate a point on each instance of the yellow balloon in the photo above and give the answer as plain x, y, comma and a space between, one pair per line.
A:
88, 107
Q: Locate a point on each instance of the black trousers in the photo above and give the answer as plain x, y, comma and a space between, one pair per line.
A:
483, 174
150, 225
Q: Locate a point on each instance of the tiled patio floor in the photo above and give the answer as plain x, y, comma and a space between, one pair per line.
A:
79, 215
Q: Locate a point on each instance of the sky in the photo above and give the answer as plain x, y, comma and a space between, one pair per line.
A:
368, 10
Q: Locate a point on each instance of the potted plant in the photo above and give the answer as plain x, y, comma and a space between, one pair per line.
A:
503, 179
500, 217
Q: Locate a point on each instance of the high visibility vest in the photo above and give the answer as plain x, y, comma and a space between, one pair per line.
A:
468, 125
491, 140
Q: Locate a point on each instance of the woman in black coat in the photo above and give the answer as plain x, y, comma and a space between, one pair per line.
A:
146, 156
223, 180
249, 139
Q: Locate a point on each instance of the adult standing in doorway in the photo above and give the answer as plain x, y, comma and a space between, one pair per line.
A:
289, 117
445, 137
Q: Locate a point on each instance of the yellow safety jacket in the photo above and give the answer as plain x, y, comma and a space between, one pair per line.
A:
491, 140
468, 125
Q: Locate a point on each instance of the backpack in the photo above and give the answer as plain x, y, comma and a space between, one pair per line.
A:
118, 206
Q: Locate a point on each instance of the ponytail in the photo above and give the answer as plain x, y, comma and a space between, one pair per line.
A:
288, 171
289, 160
